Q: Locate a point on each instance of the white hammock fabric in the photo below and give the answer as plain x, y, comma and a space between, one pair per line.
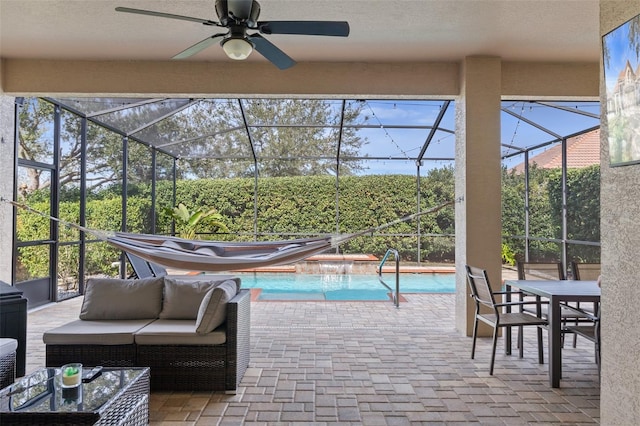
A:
218, 256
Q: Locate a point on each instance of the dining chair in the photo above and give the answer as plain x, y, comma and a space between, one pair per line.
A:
585, 271
547, 271
484, 296
590, 331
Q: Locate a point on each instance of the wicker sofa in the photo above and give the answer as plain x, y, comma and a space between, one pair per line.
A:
169, 325
8, 349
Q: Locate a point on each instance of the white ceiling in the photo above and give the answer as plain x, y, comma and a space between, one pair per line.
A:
381, 30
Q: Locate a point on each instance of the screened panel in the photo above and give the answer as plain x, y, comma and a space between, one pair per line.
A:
396, 129
132, 118
33, 262
231, 143
71, 145
202, 122
545, 251
101, 260
164, 192
513, 210
139, 177
214, 168
31, 226
286, 112
68, 267
583, 195
297, 148
526, 124
104, 160
586, 253
289, 206
102, 106
295, 151
385, 167
35, 135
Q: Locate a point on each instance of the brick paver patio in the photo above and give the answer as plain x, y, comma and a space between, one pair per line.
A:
372, 364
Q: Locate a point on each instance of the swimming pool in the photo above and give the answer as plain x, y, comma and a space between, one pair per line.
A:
290, 286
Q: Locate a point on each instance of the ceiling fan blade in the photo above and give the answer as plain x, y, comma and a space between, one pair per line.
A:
321, 28
167, 15
271, 52
201, 45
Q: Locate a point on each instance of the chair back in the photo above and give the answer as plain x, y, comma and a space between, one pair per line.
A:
585, 271
480, 287
157, 269
139, 265
540, 271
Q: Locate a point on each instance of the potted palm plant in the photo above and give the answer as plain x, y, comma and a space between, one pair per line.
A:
189, 223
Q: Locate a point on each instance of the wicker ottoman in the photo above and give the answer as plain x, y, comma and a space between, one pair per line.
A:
8, 349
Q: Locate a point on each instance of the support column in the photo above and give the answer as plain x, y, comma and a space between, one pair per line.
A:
478, 180
7, 126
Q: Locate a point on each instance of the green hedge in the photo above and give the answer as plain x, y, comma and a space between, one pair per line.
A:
289, 206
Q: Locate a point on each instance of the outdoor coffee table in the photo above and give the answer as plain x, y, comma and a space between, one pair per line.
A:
119, 396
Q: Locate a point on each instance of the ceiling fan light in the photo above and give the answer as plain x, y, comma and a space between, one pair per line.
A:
237, 48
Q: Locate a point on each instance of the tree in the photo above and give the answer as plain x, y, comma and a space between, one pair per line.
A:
290, 137
36, 143
34, 140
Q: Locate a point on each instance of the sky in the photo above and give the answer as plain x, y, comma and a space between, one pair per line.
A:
616, 44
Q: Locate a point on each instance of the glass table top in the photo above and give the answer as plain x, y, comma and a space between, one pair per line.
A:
42, 391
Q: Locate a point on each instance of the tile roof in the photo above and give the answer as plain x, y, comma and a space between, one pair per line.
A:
582, 151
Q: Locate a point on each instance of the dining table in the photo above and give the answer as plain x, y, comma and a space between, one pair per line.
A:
556, 292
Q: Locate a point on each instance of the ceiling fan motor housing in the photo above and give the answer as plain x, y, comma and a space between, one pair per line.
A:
236, 11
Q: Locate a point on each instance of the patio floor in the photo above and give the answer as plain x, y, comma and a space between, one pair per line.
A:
370, 363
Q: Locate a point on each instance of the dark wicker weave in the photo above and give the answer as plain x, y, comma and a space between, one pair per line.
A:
92, 355
177, 367
130, 406
213, 368
131, 410
7, 369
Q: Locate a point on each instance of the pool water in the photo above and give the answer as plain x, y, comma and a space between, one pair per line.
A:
289, 286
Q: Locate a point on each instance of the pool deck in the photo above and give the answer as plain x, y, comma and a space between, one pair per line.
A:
370, 363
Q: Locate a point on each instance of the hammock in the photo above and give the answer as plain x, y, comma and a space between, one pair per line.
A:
217, 256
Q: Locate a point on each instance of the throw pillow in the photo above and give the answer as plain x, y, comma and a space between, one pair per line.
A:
111, 298
182, 298
213, 309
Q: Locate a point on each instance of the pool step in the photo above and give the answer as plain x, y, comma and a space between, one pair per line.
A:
291, 296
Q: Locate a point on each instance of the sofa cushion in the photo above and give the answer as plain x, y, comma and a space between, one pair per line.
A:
182, 298
82, 332
177, 332
213, 309
116, 299
8, 346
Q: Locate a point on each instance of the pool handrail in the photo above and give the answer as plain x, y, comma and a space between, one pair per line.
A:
396, 294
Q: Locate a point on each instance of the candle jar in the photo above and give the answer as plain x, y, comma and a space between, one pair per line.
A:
71, 375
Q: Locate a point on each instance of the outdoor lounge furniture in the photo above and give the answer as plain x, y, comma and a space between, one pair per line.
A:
193, 335
483, 295
141, 268
8, 349
144, 269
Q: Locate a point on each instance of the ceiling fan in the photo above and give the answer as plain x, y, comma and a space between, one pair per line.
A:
239, 16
